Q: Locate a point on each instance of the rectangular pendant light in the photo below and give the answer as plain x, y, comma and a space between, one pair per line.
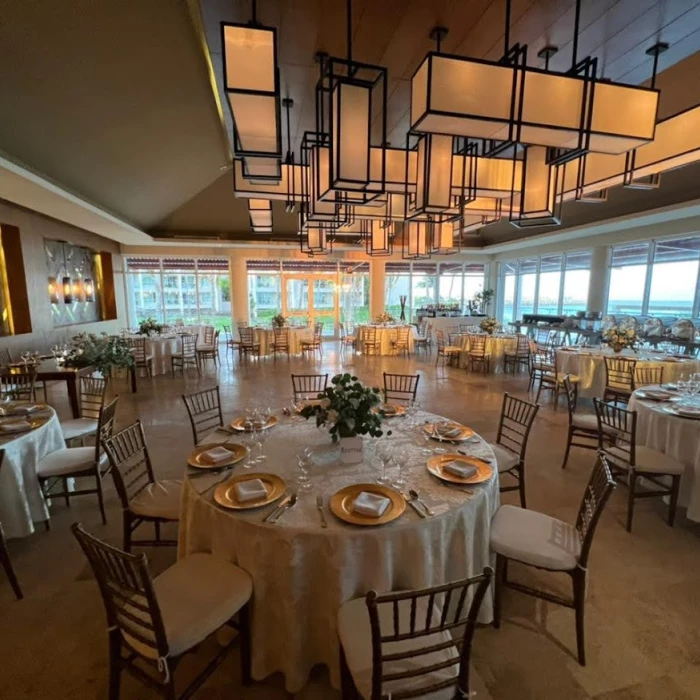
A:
539, 202
378, 240
260, 214
67, 290
417, 241
89, 288
251, 82
290, 181
53, 290
317, 241
445, 238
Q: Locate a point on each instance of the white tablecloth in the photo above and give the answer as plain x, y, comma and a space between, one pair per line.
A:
496, 346
385, 334
443, 323
677, 437
589, 366
21, 501
266, 336
302, 574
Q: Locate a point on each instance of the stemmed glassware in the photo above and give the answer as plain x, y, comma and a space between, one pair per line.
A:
249, 439
304, 463
384, 456
400, 456
262, 436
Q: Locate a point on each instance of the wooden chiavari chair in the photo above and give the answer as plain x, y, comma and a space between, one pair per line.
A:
424, 338
79, 462
412, 640
153, 623
91, 397
630, 462
204, 411
308, 386
144, 500
187, 355
549, 544
142, 360
5, 555
583, 427
400, 389
519, 356
402, 340
348, 339
247, 346
517, 417
280, 342
315, 345
619, 379
209, 350
231, 344
18, 383
551, 379
648, 376
477, 353
446, 353
370, 342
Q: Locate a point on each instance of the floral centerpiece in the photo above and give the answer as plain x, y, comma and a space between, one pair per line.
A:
384, 318
347, 408
619, 338
150, 325
279, 321
103, 352
489, 325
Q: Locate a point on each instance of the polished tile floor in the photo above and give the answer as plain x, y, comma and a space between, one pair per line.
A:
643, 609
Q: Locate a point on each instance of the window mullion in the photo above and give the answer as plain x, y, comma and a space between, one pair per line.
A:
536, 304
562, 274
647, 278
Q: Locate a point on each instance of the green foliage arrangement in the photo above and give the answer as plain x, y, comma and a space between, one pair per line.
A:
150, 325
103, 352
279, 321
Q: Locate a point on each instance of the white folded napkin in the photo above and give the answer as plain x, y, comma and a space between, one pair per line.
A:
15, 426
26, 409
251, 490
449, 430
460, 469
370, 504
216, 455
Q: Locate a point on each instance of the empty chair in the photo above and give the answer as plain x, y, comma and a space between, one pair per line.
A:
424, 339
142, 358
549, 544
551, 379
348, 339
406, 644
445, 352
477, 353
518, 356
209, 349
308, 386
18, 383
187, 355
280, 342
75, 462
315, 345
619, 379
400, 388
647, 376
153, 622
630, 462
542, 362
144, 500
517, 417
91, 396
248, 345
231, 344
370, 341
401, 342
581, 426
204, 410
5, 555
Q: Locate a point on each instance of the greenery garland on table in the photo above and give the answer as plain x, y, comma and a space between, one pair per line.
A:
347, 406
103, 352
150, 325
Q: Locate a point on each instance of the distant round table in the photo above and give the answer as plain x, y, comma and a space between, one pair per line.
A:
385, 336
496, 347
21, 501
266, 336
677, 437
162, 348
302, 573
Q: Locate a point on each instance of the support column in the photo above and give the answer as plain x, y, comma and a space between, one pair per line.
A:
597, 287
377, 282
239, 288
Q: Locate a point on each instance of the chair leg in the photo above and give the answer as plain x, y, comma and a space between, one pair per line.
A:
498, 581
630, 500
101, 498
114, 664
568, 447
521, 484
675, 488
244, 632
7, 565
579, 580
126, 532
66, 495
347, 685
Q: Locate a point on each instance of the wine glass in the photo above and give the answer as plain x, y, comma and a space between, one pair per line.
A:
248, 440
384, 455
304, 461
262, 436
399, 456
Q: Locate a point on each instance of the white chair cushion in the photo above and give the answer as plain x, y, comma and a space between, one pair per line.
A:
160, 499
69, 460
504, 457
78, 427
535, 538
356, 637
647, 460
585, 421
196, 596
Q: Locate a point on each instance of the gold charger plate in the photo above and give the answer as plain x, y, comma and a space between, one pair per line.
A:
464, 435
239, 423
195, 459
32, 424
225, 493
398, 410
683, 412
341, 503
436, 466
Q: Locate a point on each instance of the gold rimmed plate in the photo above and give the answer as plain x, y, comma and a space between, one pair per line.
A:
683, 411
341, 503
464, 434
391, 409
238, 452
655, 394
239, 423
437, 464
225, 493
25, 425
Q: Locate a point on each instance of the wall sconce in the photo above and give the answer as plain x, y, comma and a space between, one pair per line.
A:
89, 289
78, 290
53, 290
67, 291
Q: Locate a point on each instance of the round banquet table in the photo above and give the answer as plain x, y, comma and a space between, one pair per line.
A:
496, 346
589, 366
161, 348
385, 335
266, 336
677, 437
302, 573
21, 501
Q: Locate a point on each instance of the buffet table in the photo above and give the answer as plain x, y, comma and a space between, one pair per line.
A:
385, 336
303, 573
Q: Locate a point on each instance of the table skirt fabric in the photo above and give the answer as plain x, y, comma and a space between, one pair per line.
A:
21, 502
496, 347
266, 337
385, 336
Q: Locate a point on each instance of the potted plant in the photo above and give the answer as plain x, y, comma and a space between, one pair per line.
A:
481, 300
279, 321
348, 409
150, 325
103, 352
489, 325
619, 339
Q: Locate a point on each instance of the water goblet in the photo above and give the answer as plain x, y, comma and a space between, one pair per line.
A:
262, 436
440, 449
304, 466
384, 456
399, 456
248, 441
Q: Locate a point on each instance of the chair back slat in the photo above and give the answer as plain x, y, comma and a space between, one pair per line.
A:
308, 386
209, 333
621, 424
138, 350
246, 334
421, 616
204, 410
400, 388
645, 376
131, 464
189, 346
522, 347
477, 345
570, 394
281, 338
92, 396
440, 336
619, 373
128, 595
370, 335
18, 383
105, 426
517, 417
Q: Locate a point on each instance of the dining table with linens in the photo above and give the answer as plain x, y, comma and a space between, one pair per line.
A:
386, 336
496, 347
266, 337
303, 572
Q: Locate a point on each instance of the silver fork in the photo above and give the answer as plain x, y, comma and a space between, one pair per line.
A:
319, 505
291, 502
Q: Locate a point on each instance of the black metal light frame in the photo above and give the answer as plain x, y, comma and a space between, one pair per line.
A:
406, 253
389, 231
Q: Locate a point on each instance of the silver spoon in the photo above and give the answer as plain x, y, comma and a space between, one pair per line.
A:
414, 495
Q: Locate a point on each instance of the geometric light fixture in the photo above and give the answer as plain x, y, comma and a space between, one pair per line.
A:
417, 240
260, 214
317, 241
53, 290
539, 201
378, 239
89, 288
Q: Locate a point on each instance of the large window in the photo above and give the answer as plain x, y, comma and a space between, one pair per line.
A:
659, 278
549, 285
354, 294
191, 290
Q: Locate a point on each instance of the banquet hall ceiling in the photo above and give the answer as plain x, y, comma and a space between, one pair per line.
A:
118, 107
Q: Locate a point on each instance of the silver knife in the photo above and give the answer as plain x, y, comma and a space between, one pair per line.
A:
280, 506
415, 507
292, 501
